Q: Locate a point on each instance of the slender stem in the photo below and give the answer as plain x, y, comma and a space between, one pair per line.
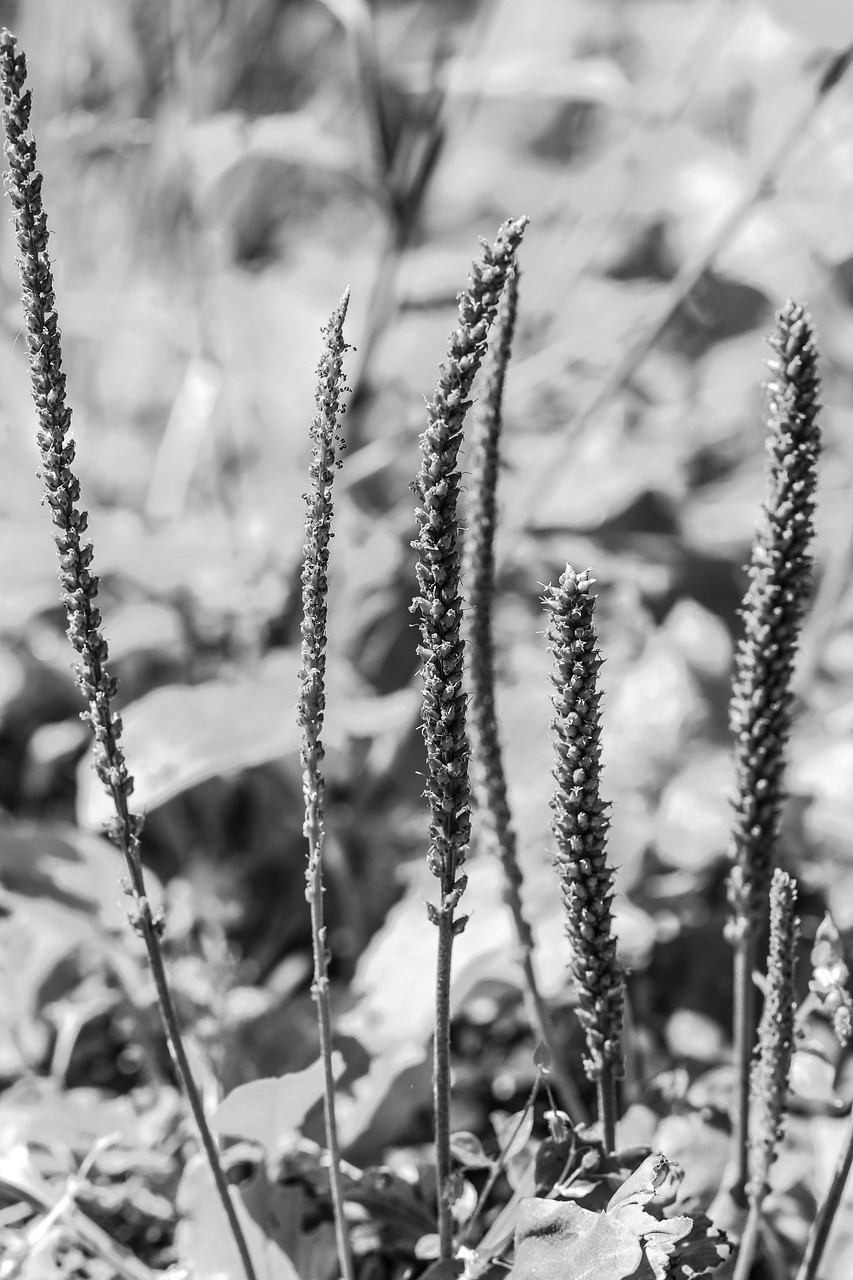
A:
441, 1084
327, 443
691, 273
749, 1242
80, 585
744, 1024
488, 776
822, 1224
605, 1089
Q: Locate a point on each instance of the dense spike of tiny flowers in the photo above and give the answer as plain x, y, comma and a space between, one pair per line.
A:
487, 772
327, 444
439, 602
769, 1084
780, 584
438, 606
580, 823
61, 487
79, 584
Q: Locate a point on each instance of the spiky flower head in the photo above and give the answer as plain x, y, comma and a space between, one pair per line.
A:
327, 444
487, 769
780, 584
61, 486
580, 819
438, 603
769, 1081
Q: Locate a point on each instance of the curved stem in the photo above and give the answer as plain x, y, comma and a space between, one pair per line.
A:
826, 1213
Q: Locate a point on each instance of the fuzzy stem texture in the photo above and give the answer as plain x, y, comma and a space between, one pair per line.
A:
580, 823
327, 444
772, 1062
79, 584
438, 606
762, 699
488, 777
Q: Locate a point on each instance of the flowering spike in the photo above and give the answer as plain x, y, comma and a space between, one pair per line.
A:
780, 584
580, 824
438, 604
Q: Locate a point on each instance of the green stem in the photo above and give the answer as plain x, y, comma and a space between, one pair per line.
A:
320, 994
605, 1087
822, 1224
749, 1242
743, 1035
442, 1082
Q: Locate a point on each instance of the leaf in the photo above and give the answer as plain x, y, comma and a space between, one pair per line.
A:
180, 735
205, 1241
559, 1239
555, 1239
271, 1111
467, 1150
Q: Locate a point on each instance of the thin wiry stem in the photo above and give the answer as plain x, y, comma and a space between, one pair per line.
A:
327, 442
438, 605
80, 585
488, 778
769, 1079
580, 824
763, 186
762, 699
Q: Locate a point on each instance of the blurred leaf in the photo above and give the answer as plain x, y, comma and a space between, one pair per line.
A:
181, 735
392, 1017
204, 1239
60, 864
271, 1111
693, 824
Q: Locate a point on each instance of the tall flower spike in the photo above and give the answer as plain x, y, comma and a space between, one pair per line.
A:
580, 825
762, 700
79, 585
327, 445
438, 606
775, 1034
780, 585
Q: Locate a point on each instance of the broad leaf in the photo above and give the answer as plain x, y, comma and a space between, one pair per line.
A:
271, 1111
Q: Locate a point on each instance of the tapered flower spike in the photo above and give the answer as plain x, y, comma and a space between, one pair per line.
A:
79, 584
772, 1062
488, 778
327, 446
762, 699
580, 824
438, 606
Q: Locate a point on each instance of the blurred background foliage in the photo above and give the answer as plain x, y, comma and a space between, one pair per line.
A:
215, 174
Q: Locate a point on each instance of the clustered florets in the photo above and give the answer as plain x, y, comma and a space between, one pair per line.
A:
780, 581
327, 446
580, 820
438, 603
61, 487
